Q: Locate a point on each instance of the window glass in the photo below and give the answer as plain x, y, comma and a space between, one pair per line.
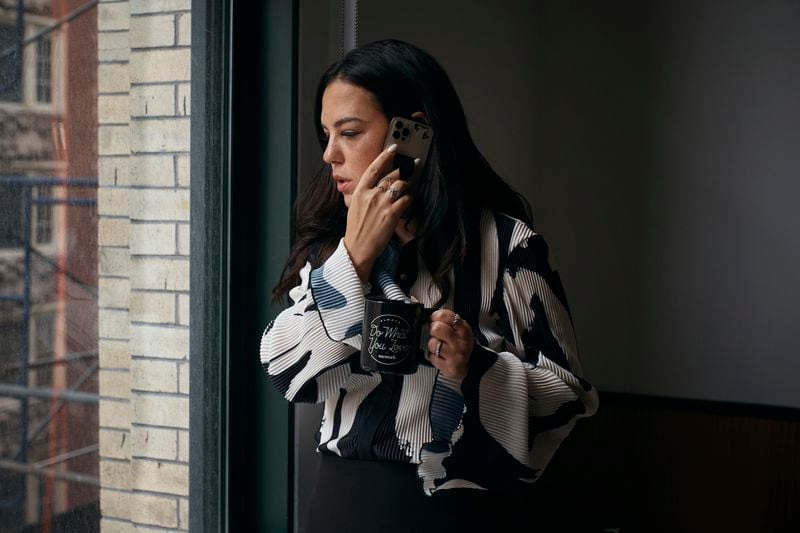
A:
10, 87
43, 69
48, 268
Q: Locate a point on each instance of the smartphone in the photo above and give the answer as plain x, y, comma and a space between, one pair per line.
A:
413, 140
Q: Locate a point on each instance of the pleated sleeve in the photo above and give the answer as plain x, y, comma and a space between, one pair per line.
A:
311, 349
502, 424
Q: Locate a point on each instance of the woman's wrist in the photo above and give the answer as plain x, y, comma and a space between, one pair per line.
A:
362, 265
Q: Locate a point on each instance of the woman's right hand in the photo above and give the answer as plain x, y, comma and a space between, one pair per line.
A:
374, 212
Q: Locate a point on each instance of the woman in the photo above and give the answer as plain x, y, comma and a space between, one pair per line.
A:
502, 388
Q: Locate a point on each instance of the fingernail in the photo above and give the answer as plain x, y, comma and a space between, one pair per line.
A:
416, 161
392, 149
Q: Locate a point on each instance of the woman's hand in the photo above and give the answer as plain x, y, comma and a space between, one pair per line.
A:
451, 343
375, 209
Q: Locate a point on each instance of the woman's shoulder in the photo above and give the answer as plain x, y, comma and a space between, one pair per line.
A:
509, 230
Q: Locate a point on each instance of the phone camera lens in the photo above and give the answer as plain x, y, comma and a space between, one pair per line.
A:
396, 135
406, 131
399, 125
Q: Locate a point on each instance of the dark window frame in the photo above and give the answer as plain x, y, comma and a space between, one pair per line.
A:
208, 278
240, 474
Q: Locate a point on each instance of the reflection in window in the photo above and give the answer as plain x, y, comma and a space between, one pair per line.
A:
10, 215
43, 70
41, 357
9, 349
43, 217
10, 86
49, 464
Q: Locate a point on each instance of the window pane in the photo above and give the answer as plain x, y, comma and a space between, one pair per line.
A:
94, 296
10, 215
49, 456
43, 70
10, 83
44, 216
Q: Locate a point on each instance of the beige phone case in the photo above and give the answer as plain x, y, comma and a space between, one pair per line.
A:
413, 141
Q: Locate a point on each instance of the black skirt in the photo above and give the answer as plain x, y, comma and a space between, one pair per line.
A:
385, 497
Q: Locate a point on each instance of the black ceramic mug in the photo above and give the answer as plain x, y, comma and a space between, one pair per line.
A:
391, 335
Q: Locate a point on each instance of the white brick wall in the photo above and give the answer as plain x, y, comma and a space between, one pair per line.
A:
115, 444
154, 307
113, 16
115, 353
154, 510
153, 101
153, 31
161, 410
155, 443
113, 171
159, 6
155, 170
112, 108
113, 140
113, 46
160, 135
143, 263
159, 204
160, 65
155, 376
115, 503
113, 231
160, 274
113, 77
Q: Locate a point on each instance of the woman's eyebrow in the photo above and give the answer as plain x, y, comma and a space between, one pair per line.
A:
343, 120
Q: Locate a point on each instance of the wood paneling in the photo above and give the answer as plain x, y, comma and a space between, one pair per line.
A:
654, 464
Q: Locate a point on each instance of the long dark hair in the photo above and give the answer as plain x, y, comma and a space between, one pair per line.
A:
455, 184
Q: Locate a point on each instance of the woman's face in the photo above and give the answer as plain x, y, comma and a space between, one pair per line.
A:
355, 128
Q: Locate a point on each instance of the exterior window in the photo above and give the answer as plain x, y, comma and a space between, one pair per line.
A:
43, 329
43, 216
29, 79
9, 351
94, 266
43, 59
10, 215
10, 87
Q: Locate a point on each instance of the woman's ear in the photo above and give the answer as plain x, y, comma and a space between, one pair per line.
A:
419, 116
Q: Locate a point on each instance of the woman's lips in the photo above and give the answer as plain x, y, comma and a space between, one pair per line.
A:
342, 185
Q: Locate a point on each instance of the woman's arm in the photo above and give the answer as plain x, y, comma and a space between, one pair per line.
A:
517, 403
311, 348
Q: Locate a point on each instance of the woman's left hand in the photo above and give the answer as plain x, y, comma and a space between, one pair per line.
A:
451, 343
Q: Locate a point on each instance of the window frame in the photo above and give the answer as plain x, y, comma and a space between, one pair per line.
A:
241, 431
29, 100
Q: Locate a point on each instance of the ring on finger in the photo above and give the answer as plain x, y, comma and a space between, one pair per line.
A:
456, 320
438, 352
380, 187
394, 192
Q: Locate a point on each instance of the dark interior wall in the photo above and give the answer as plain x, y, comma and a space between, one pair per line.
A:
722, 250
656, 142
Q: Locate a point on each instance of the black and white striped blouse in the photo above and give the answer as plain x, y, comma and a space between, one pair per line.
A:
501, 425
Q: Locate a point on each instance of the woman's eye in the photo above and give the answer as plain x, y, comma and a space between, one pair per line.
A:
348, 133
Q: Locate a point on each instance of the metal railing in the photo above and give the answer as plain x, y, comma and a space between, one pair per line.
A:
22, 390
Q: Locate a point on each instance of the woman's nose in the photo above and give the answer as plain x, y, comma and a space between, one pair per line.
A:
332, 154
